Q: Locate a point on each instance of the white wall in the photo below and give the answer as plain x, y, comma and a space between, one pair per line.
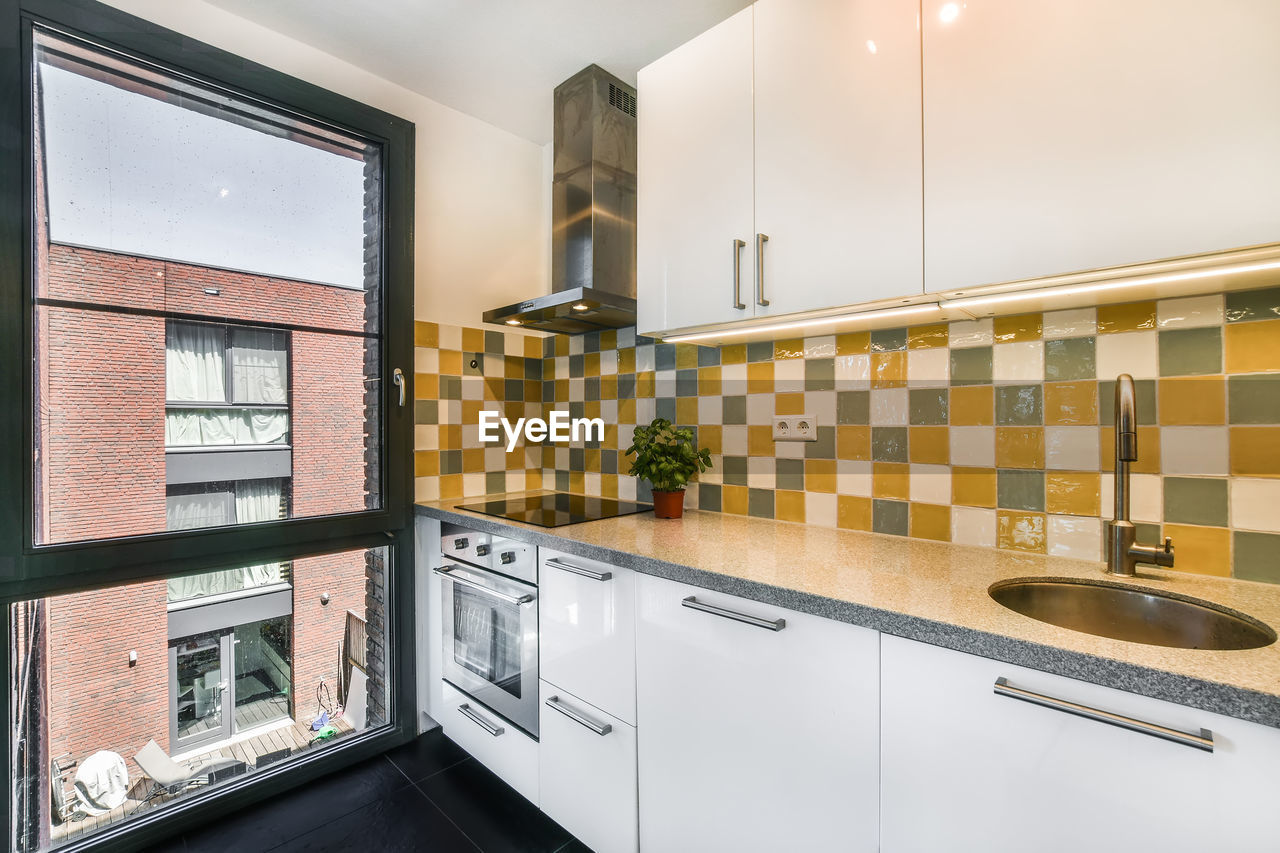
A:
482, 213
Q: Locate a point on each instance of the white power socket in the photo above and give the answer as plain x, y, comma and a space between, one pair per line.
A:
794, 428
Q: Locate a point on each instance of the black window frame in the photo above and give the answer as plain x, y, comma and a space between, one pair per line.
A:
30, 571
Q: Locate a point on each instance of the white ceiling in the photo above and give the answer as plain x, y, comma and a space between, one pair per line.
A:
497, 60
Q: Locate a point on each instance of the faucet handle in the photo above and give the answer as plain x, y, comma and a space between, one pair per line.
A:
1165, 557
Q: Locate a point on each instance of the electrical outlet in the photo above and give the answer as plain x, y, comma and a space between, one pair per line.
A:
794, 428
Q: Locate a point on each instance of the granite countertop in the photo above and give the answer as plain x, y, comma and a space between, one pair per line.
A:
929, 591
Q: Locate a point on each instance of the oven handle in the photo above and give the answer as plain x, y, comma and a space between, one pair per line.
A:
448, 572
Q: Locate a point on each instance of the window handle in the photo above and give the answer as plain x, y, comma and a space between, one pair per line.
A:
397, 376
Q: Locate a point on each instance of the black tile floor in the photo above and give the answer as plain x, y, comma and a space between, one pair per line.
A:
427, 795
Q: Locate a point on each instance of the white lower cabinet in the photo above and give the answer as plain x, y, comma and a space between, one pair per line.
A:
965, 769
588, 772
491, 740
753, 738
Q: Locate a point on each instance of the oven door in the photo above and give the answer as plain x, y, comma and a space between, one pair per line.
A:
491, 641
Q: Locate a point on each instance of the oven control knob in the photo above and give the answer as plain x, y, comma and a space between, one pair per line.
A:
508, 557
459, 544
482, 550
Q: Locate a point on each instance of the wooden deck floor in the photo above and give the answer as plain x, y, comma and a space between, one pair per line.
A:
295, 738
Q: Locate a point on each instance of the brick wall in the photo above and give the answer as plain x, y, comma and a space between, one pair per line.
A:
318, 628
328, 424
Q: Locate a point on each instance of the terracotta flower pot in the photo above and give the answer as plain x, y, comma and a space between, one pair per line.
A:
668, 504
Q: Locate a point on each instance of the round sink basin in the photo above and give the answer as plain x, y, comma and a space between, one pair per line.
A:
1132, 613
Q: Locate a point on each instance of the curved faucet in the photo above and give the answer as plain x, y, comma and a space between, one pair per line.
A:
1123, 551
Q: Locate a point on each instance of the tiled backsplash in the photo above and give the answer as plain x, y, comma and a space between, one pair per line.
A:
991, 432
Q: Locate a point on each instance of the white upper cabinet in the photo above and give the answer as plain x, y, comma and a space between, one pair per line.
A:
1076, 135
837, 140
694, 180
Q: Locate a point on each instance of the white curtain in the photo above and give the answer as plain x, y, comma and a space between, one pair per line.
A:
259, 372
258, 500
255, 500
194, 365
211, 427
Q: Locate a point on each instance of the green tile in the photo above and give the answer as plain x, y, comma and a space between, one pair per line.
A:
426, 412
1195, 500
473, 364
889, 444
928, 406
1145, 393
890, 517
1191, 352
1070, 358
450, 387
1253, 305
760, 351
1145, 532
451, 462
888, 340
1019, 405
1254, 399
709, 497
824, 447
708, 356
853, 407
734, 409
789, 474
971, 366
733, 469
1017, 489
760, 503
494, 345
820, 374
495, 482
1256, 556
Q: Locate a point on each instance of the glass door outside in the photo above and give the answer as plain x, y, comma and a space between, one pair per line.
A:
199, 666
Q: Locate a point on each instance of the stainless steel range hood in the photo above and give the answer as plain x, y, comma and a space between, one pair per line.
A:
593, 211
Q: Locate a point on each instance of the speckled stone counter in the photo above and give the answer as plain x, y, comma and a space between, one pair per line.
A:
928, 591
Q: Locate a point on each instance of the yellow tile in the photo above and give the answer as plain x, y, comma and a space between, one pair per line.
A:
853, 442
1148, 450
450, 362
733, 354
972, 405
473, 460
759, 440
591, 409
451, 436
548, 457
853, 513
1019, 447
1203, 550
512, 367
495, 388
562, 389
788, 404
1072, 493
532, 390
760, 377
513, 409
515, 459
733, 499
790, 348
928, 337
788, 506
608, 387
1129, 317
627, 411
577, 482
591, 459
1193, 400
686, 411
533, 479
1019, 327
853, 343
472, 340
591, 364
644, 385
627, 360
426, 334
711, 436
426, 463
609, 485
931, 521
1070, 403
1020, 531
608, 340
709, 382
562, 345
471, 410
532, 347
930, 445
686, 356
889, 369
1255, 451
450, 486
1252, 347
426, 386
973, 486
611, 436
891, 480
820, 475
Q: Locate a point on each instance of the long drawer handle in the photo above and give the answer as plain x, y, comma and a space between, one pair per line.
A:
601, 729
738, 246
770, 624
465, 710
448, 572
579, 570
761, 239
1203, 741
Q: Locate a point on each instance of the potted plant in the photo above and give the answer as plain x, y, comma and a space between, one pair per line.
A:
667, 457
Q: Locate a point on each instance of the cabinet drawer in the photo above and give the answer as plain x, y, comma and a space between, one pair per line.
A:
588, 779
491, 740
587, 631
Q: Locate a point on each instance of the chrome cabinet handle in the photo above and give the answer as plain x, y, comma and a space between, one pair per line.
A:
761, 239
448, 572
1203, 740
555, 562
397, 376
465, 710
738, 246
601, 729
770, 624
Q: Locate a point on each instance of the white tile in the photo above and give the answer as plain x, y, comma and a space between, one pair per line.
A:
853, 372
664, 384
646, 410
820, 509
761, 472
733, 440
513, 344
495, 456
1072, 448
644, 358
733, 380
473, 485
450, 337
626, 337
578, 389
710, 411
890, 406
1255, 504
608, 362
853, 478
973, 446
823, 346
1189, 313
1022, 361
789, 449
1135, 353
426, 437
450, 411
714, 475
929, 368
1076, 323
973, 526
562, 455
1194, 450
576, 345
691, 495
473, 387
788, 375
426, 360
930, 484
1146, 497
821, 406
1076, 537
562, 366
495, 366
426, 489
627, 488
591, 483
515, 480
609, 411
971, 333
760, 409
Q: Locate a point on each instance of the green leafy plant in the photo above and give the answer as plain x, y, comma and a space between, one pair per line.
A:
666, 456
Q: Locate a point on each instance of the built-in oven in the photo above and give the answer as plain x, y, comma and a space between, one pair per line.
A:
490, 616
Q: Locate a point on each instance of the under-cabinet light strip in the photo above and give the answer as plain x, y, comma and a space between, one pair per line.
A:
831, 320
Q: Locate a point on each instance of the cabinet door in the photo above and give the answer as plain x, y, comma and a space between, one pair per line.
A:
966, 769
588, 772
587, 639
694, 179
1070, 136
837, 123
491, 740
750, 738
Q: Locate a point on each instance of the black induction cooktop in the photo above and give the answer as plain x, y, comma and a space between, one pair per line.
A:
555, 509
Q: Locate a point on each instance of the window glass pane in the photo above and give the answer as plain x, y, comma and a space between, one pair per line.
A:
116, 688
207, 294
